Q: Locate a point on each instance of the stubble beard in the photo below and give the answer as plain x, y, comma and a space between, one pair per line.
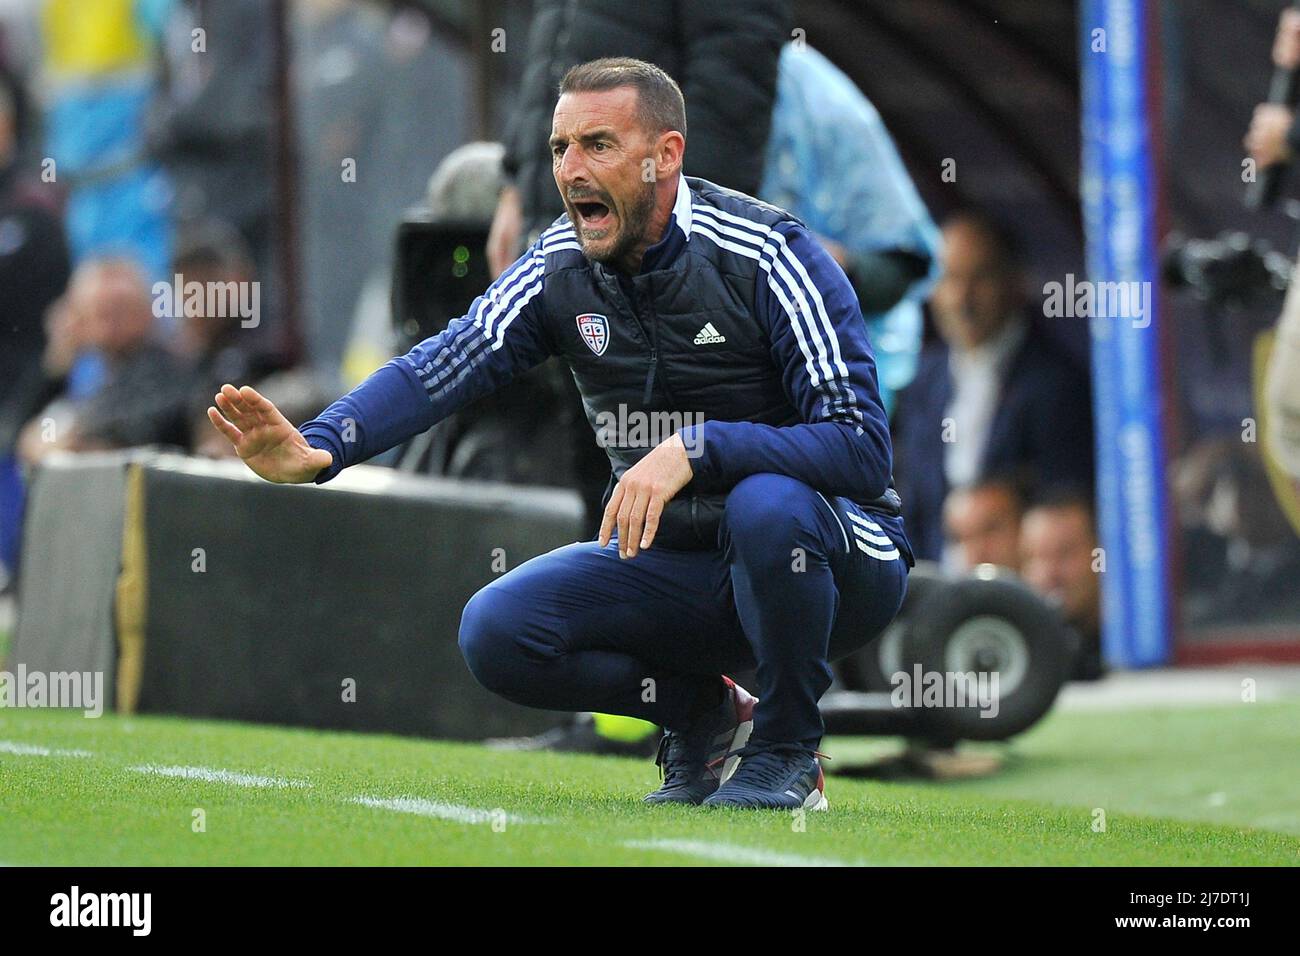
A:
631, 228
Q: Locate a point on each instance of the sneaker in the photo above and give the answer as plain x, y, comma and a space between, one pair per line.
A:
694, 762
774, 777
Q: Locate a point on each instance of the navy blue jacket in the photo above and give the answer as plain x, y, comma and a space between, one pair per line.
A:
1041, 435
738, 322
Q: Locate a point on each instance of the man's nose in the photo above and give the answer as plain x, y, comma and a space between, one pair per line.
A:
571, 170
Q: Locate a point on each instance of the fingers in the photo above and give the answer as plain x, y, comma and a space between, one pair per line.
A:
232, 406
635, 524
652, 515
246, 408
234, 396
611, 514
232, 433
624, 510
259, 404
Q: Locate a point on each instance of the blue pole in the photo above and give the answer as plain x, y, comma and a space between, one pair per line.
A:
1120, 204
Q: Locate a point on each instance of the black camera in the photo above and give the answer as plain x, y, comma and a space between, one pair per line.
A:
439, 269
1233, 269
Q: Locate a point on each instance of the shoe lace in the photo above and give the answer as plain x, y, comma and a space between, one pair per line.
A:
765, 766
673, 759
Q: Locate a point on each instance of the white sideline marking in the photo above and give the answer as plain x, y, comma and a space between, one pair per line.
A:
36, 750
210, 775
727, 853
443, 811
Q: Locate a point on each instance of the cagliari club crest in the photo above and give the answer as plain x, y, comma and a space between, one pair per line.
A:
595, 331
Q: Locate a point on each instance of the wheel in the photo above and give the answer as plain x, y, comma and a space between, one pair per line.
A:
984, 626
869, 667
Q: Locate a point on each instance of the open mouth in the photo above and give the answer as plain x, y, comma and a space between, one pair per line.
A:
592, 213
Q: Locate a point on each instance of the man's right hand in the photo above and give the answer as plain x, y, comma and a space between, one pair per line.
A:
264, 439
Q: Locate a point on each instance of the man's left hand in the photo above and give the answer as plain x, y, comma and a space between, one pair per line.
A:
641, 494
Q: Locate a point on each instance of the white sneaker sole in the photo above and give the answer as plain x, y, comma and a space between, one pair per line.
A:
741, 737
816, 801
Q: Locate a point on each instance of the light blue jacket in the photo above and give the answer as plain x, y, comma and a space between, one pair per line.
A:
832, 163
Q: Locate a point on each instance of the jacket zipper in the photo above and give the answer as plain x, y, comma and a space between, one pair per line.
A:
632, 300
653, 338
650, 376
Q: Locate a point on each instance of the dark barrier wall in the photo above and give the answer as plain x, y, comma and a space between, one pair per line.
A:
334, 606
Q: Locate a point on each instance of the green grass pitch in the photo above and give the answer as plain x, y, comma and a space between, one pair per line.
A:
1187, 786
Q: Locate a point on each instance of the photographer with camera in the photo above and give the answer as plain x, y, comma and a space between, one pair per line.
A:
1274, 137
1273, 141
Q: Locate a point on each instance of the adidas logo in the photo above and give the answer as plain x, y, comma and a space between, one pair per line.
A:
709, 335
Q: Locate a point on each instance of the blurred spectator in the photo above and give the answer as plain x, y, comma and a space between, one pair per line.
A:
1281, 398
210, 122
381, 98
982, 525
33, 271
724, 53
1274, 135
465, 186
213, 338
108, 308
100, 70
995, 395
1247, 552
1058, 560
832, 163
212, 252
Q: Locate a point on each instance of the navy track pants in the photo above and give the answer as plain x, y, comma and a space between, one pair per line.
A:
800, 580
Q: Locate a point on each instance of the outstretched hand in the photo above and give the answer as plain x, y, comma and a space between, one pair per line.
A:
263, 437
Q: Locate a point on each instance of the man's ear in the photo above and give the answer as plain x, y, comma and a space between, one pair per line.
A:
670, 149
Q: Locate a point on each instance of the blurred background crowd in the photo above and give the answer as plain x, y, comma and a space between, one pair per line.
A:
367, 167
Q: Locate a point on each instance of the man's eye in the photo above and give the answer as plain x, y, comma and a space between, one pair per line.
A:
600, 147
557, 150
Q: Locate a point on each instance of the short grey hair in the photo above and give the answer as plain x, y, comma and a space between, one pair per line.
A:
660, 104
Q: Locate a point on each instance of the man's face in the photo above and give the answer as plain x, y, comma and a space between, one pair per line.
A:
115, 307
599, 153
201, 332
984, 524
977, 291
1056, 560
